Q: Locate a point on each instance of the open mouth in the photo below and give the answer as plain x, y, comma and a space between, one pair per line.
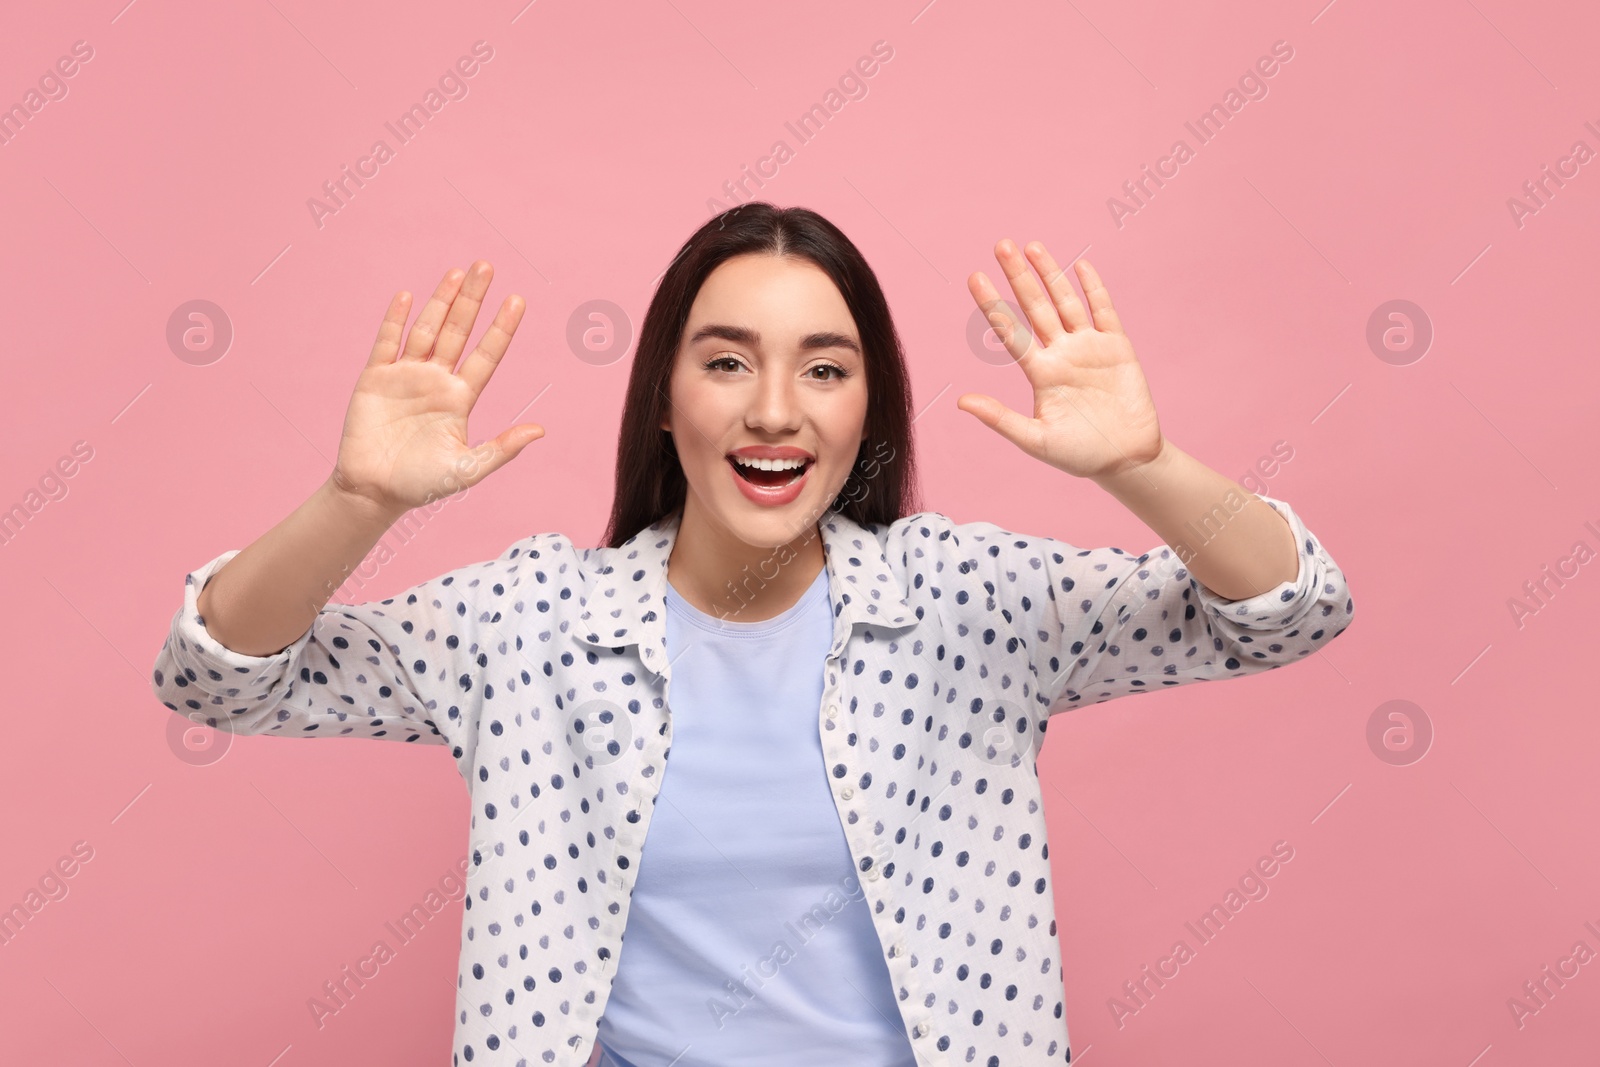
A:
787, 473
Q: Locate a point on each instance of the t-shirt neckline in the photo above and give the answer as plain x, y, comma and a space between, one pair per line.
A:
816, 593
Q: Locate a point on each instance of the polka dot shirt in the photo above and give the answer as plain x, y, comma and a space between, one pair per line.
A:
545, 674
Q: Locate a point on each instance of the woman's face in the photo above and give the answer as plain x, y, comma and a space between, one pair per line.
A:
770, 361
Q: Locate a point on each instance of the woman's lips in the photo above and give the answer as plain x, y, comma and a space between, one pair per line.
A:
770, 496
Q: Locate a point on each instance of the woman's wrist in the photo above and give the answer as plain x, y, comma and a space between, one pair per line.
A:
355, 508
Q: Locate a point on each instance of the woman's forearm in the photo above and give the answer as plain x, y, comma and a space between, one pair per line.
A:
264, 598
1232, 542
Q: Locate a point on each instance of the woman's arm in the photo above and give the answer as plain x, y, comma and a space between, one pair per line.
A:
1099, 623
1093, 417
255, 649
1231, 541
1262, 591
264, 598
393, 669
404, 444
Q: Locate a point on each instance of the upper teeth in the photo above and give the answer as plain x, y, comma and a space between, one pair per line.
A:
770, 464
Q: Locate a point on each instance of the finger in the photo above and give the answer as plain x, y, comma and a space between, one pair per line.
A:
1060, 288
1030, 294
494, 454
480, 365
419, 342
1094, 290
1012, 331
463, 313
390, 330
1014, 427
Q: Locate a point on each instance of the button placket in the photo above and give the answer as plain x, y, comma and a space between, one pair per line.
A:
903, 973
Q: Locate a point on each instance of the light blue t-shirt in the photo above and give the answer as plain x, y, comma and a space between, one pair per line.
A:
748, 938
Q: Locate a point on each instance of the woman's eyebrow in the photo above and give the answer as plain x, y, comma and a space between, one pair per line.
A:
744, 335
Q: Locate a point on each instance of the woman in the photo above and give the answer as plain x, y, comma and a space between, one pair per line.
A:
851, 864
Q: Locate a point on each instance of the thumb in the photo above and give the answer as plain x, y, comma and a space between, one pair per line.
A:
995, 415
497, 452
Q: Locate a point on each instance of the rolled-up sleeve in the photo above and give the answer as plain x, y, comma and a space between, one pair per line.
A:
1103, 623
387, 669
1156, 625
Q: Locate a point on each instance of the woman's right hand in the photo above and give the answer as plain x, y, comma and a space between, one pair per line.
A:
405, 433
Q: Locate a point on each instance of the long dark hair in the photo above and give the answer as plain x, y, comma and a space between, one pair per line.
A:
650, 482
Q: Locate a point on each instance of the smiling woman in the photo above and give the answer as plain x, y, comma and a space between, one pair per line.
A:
766, 409
768, 337
850, 692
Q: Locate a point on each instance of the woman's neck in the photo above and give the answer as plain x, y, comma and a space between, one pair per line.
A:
718, 573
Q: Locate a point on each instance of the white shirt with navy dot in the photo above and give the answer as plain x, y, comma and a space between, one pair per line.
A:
545, 674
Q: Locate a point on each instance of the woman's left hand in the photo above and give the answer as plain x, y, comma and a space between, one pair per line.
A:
1092, 412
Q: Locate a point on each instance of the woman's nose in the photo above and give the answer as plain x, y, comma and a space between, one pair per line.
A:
775, 405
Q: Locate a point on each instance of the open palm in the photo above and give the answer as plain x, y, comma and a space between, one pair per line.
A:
1093, 415
405, 438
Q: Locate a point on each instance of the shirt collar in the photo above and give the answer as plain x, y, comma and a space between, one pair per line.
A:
625, 606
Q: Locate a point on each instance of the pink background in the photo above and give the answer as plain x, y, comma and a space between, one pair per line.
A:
221, 895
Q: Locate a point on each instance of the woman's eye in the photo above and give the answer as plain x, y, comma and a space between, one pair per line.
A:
731, 365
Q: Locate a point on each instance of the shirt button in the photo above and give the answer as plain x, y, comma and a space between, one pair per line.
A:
833, 712
847, 792
921, 1030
